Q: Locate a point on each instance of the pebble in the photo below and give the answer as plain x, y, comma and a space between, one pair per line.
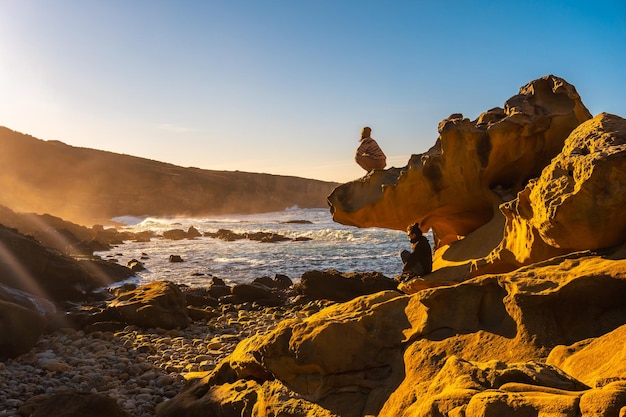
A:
137, 367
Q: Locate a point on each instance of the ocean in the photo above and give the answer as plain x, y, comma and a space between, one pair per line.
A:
331, 246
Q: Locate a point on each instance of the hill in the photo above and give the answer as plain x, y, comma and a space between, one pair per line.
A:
91, 186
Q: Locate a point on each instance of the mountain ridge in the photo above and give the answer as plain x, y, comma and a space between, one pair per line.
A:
89, 185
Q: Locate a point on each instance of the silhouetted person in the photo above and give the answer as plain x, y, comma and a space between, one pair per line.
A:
419, 261
369, 156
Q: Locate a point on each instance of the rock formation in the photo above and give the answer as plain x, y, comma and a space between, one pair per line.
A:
493, 194
90, 186
456, 186
523, 314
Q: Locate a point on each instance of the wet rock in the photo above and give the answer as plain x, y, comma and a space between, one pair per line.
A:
135, 265
175, 234
175, 258
192, 232
266, 237
225, 234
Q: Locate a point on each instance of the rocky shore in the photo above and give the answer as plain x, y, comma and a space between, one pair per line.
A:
138, 368
70, 346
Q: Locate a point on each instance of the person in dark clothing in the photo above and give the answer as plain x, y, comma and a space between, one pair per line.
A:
419, 261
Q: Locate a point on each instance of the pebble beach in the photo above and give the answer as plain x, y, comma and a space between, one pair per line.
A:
139, 368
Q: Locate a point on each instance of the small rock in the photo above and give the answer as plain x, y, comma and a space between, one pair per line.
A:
176, 258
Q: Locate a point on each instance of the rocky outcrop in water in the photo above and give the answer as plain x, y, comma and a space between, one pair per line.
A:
523, 313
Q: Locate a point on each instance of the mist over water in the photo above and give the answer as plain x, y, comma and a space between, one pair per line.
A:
332, 246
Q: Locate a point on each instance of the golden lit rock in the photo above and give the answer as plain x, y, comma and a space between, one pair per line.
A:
474, 166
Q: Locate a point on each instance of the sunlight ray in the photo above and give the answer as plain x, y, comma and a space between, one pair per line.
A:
17, 275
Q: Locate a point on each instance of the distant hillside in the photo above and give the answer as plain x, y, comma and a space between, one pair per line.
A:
90, 186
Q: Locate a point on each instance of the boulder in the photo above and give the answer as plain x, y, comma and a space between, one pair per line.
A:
199, 297
573, 204
158, 304
218, 291
577, 202
336, 286
590, 169
20, 328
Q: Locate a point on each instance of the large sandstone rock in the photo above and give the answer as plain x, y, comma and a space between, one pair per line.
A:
456, 186
578, 201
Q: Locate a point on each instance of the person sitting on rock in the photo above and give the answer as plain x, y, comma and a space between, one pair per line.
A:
369, 156
419, 261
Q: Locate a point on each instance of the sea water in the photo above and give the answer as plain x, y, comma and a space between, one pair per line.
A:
331, 246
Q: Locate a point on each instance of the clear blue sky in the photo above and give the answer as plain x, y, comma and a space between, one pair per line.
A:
284, 86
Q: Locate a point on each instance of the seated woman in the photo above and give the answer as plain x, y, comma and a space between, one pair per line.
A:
419, 261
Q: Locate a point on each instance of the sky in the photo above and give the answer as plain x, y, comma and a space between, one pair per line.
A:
285, 86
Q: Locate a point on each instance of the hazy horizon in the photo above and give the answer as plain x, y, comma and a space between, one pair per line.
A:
284, 87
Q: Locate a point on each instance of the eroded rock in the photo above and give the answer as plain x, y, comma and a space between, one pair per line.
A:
455, 187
